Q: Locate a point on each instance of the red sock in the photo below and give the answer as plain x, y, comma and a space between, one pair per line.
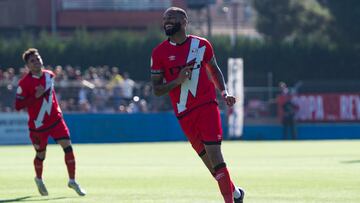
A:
225, 184
70, 164
232, 183
38, 165
232, 186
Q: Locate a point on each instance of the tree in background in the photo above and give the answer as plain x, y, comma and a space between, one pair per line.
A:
292, 19
346, 15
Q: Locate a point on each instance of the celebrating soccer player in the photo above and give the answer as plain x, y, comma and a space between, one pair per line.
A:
182, 66
36, 93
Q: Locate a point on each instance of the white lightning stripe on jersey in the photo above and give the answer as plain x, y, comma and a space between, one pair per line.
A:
191, 85
46, 104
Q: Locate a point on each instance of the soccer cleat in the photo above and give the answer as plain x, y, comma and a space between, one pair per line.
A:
75, 186
241, 198
41, 187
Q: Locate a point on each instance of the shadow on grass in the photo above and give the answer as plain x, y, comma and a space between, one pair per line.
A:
351, 162
31, 199
19, 199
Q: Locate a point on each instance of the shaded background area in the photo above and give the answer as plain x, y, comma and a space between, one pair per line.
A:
100, 50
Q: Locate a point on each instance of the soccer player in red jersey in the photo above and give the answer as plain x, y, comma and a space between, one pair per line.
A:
36, 94
184, 66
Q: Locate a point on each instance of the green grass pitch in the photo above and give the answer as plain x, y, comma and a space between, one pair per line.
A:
271, 172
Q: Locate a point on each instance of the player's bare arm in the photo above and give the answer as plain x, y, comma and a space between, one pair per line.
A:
219, 81
161, 88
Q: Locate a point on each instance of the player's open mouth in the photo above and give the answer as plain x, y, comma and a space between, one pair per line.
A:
169, 26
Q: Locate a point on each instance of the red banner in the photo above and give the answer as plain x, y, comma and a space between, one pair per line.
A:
324, 107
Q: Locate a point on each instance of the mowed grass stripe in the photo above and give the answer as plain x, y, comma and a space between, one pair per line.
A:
271, 172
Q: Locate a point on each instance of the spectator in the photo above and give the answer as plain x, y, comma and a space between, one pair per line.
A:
284, 90
110, 92
288, 118
127, 88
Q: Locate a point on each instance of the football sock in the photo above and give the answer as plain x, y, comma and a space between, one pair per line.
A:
236, 193
223, 178
38, 165
70, 162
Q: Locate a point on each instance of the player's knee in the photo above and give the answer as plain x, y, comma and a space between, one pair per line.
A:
36, 146
219, 166
64, 142
40, 154
40, 158
68, 149
214, 154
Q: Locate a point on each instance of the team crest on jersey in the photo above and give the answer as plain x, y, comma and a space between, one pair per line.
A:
19, 90
194, 50
172, 58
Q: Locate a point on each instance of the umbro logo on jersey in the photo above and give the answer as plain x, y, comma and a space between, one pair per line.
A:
172, 58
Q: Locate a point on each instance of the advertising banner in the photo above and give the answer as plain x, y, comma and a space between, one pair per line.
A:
325, 107
13, 128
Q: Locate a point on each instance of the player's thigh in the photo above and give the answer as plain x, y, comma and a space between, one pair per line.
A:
188, 126
39, 140
61, 134
209, 125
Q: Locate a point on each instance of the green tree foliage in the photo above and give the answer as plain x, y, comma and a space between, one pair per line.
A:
292, 19
131, 52
346, 21
276, 19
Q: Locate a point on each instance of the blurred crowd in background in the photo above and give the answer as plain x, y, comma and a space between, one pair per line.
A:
105, 89
96, 89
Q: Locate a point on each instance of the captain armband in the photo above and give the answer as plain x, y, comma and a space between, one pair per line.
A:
156, 72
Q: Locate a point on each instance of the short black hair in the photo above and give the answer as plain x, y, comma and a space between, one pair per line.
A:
178, 10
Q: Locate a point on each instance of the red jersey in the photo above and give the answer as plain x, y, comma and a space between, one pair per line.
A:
43, 111
168, 58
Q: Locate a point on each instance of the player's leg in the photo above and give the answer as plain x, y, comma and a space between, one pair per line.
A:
39, 142
284, 126
211, 134
205, 158
61, 135
293, 129
69, 156
190, 125
222, 174
71, 165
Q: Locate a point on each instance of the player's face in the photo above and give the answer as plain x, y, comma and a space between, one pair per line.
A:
35, 63
171, 23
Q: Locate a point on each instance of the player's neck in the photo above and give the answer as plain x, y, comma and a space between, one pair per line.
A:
37, 73
178, 38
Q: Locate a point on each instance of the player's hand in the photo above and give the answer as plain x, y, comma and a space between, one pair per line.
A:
184, 74
39, 91
230, 100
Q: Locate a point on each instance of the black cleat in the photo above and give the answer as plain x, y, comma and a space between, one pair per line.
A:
240, 200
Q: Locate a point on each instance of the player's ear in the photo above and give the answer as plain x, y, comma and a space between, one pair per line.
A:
184, 21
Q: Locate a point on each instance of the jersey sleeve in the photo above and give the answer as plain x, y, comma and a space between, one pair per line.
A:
23, 98
155, 63
21, 91
209, 51
52, 74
